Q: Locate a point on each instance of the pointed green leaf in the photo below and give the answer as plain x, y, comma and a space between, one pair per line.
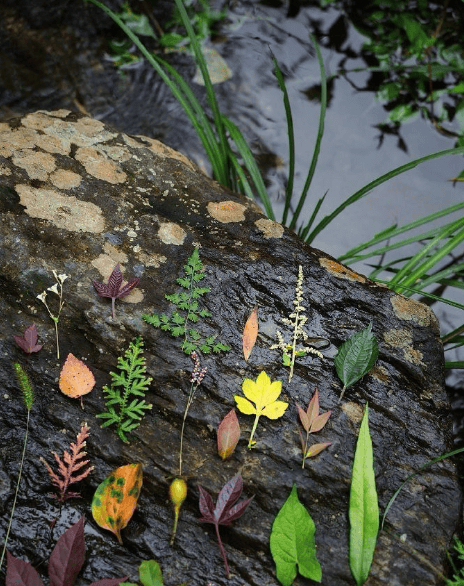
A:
356, 356
363, 511
292, 542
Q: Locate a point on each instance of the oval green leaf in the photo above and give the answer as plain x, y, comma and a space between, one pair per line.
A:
356, 357
292, 542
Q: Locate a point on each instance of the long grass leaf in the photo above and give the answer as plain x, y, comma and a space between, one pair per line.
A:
291, 139
363, 509
394, 230
302, 232
320, 132
370, 186
200, 60
419, 291
439, 277
412, 277
250, 164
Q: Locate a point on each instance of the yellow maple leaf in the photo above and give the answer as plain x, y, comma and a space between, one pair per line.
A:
264, 395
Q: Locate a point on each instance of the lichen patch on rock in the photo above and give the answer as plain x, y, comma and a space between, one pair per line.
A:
171, 233
338, 270
64, 211
412, 310
65, 179
402, 338
269, 228
97, 165
164, 151
226, 211
12, 140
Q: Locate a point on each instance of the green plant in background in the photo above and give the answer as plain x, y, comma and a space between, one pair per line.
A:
188, 311
28, 398
219, 136
131, 381
458, 573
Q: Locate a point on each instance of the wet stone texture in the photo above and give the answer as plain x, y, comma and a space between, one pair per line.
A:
78, 197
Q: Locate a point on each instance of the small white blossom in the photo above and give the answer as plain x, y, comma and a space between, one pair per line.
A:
42, 296
53, 289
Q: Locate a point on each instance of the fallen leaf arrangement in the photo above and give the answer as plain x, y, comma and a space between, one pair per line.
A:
292, 536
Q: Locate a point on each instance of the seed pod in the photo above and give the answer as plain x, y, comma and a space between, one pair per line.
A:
177, 494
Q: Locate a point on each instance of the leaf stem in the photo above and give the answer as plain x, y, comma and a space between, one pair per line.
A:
251, 442
187, 407
223, 551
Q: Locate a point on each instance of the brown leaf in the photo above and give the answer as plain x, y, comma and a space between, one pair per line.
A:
250, 333
76, 379
228, 434
316, 449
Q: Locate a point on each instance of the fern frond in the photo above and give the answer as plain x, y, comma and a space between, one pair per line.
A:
134, 381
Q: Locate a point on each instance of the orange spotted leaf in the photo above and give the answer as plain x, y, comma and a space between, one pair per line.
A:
116, 497
228, 434
250, 333
76, 379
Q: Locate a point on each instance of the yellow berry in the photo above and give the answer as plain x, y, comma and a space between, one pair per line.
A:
178, 492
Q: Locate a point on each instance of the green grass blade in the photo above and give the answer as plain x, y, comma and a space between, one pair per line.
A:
409, 278
363, 509
458, 364
392, 231
200, 60
419, 291
439, 277
320, 132
250, 164
426, 465
302, 232
370, 186
291, 139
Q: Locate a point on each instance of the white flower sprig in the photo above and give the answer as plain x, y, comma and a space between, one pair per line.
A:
296, 321
58, 289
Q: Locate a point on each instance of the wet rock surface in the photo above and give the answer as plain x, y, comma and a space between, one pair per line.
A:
78, 197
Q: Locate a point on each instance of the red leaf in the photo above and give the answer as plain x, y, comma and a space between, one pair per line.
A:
20, 573
28, 342
313, 407
67, 556
229, 494
206, 506
109, 581
250, 333
303, 418
237, 511
320, 421
228, 434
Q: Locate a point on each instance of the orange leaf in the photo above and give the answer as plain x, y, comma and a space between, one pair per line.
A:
250, 332
115, 499
76, 379
228, 434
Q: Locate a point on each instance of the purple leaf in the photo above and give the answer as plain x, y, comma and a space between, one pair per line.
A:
67, 556
206, 506
236, 511
225, 512
229, 494
113, 288
20, 573
28, 342
109, 581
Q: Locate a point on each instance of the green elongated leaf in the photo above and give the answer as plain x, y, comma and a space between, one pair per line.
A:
364, 510
150, 573
292, 542
356, 357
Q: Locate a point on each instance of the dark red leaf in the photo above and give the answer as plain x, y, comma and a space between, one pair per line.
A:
303, 418
112, 289
109, 581
20, 573
114, 282
229, 494
228, 434
67, 556
128, 287
236, 511
28, 342
206, 506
